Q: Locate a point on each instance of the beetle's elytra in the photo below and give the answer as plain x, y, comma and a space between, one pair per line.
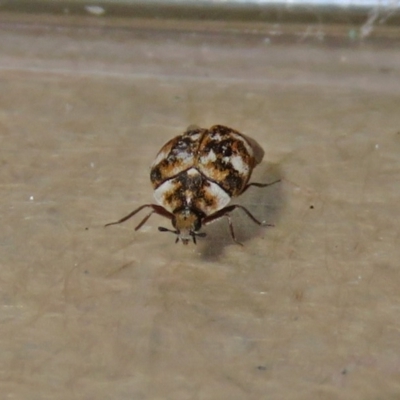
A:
196, 174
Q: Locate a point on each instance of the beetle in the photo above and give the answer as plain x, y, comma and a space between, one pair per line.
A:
194, 177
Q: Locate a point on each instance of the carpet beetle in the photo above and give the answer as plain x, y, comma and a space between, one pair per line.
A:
194, 177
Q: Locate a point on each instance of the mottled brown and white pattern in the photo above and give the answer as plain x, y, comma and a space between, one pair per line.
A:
195, 175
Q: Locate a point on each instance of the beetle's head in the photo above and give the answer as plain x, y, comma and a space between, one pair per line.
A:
187, 224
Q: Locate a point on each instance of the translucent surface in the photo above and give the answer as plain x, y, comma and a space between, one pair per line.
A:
308, 309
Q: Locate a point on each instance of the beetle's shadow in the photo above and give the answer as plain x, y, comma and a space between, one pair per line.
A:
264, 203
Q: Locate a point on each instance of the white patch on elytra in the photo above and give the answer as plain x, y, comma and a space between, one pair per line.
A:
159, 194
209, 157
195, 137
216, 192
193, 172
216, 136
239, 165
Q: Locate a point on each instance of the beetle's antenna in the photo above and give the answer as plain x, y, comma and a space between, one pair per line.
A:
162, 229
200, 234
193, 234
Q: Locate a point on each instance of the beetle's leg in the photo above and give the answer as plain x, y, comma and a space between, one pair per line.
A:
155, 209
225, 212
145, 219
231, 229
259, 185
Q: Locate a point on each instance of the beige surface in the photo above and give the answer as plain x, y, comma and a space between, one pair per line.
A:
309, 309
